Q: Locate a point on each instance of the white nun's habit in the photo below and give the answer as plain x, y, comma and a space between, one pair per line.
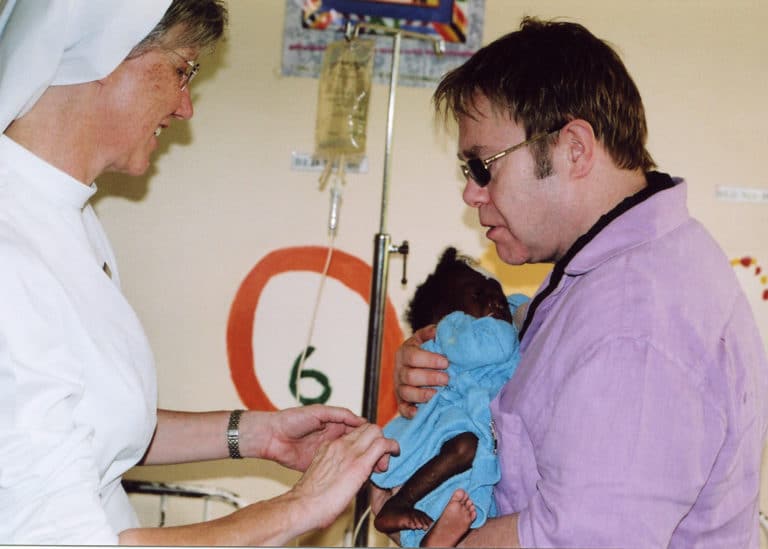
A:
77, 378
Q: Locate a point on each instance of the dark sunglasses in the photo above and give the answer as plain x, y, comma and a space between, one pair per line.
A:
477, 168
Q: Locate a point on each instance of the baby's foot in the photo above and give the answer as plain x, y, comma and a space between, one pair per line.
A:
396, 515
453, 524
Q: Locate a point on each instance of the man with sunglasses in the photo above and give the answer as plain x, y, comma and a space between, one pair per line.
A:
637, 415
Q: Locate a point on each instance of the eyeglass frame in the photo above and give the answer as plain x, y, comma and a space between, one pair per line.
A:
482, 164
189, 74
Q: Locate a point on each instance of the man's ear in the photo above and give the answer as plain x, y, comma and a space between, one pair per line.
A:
581, 143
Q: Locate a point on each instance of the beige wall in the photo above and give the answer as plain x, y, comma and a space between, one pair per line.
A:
221, 194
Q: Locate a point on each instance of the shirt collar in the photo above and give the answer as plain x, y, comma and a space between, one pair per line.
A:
646, 219
632, 222
43, 178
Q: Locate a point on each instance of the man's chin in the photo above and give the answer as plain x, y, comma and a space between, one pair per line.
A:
513, 256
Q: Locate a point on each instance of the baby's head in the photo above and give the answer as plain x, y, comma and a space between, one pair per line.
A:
456, 286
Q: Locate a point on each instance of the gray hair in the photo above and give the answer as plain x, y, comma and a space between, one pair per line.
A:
202, 24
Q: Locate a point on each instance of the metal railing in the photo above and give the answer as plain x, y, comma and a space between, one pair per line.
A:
164, 491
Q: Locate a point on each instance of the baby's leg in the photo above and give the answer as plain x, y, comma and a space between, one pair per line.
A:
453, 524
399, 513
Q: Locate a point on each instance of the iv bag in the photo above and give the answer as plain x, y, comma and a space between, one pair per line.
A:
342, 103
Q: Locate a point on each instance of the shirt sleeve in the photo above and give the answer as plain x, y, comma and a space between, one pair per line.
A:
49, 480
631, 441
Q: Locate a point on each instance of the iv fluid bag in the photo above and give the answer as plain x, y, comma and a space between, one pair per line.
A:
344, 91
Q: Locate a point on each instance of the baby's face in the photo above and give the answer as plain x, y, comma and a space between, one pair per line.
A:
483, 296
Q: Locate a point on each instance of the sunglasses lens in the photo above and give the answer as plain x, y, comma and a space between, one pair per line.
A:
478, 171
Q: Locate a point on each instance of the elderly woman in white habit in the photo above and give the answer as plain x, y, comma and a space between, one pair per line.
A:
86, 86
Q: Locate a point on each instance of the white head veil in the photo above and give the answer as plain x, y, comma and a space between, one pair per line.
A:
57, 42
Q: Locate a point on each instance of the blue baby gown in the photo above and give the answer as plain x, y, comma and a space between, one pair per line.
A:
482, 355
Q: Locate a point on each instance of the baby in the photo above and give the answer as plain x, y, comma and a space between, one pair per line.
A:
447, 464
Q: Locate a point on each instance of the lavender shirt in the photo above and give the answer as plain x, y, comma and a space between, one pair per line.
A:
637, 415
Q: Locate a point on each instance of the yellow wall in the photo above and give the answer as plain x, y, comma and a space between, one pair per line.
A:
221, 194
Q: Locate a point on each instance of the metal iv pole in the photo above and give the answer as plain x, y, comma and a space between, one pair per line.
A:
382, 245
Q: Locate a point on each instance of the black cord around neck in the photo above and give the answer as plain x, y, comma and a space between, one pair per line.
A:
656, 182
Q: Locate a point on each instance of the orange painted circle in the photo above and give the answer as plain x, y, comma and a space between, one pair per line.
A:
347, 269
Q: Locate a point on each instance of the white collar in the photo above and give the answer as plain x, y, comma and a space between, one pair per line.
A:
41, 177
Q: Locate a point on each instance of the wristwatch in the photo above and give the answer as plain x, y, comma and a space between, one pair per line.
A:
233, 434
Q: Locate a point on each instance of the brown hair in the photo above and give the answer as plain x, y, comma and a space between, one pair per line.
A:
547, 73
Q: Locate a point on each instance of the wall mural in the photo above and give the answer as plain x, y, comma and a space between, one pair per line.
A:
252, 311
754, 280
751, 264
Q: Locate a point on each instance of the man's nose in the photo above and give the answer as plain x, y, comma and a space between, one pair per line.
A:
474, 195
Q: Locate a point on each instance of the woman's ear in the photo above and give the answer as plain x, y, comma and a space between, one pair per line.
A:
581, 143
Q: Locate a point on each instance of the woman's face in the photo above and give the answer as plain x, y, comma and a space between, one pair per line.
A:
144, 96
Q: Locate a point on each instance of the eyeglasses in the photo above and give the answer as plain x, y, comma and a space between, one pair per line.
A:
185, 75
477, 168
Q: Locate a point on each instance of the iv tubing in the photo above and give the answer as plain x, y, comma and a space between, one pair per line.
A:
332, 228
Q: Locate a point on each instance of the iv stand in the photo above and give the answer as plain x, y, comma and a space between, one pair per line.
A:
382, 248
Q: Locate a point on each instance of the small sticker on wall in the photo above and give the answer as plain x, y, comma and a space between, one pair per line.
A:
741, 194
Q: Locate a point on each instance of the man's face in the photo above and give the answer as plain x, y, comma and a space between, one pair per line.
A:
521, 212
145, 96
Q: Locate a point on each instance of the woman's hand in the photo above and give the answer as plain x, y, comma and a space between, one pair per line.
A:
294, 435
339, 470
417, 371
334, 475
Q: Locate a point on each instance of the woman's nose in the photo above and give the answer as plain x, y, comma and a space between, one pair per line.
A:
185, 110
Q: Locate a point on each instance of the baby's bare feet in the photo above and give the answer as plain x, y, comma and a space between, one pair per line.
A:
396, 515
453, 524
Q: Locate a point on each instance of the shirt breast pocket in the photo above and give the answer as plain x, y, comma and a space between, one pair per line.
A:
517, 462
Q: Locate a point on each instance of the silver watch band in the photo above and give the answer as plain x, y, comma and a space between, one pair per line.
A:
233, 434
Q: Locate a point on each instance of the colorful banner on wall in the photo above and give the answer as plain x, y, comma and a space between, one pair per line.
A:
311, 24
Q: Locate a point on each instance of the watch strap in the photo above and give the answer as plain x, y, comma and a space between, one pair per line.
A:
233, 434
